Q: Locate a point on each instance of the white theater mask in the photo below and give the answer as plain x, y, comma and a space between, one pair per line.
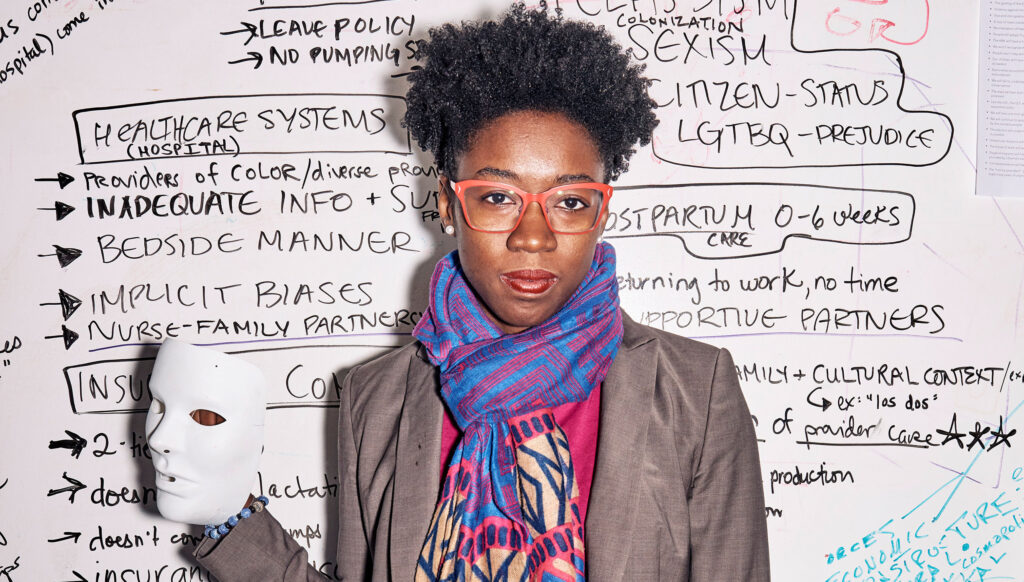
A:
204, 474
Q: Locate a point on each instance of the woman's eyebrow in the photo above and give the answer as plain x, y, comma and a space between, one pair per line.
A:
510, 175
572, 178
497, 173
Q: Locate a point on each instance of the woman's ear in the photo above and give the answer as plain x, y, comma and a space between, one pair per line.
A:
446, 204
601, 222
603, 219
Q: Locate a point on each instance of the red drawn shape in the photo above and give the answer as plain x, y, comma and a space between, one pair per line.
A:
853, 24
843, 25
878, 28
927, 22
738, 17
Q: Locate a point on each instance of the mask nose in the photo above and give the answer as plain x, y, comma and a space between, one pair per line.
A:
162, 435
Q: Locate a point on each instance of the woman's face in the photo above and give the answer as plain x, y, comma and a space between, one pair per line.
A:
525, 276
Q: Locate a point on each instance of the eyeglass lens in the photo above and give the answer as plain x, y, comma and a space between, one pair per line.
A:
496, 209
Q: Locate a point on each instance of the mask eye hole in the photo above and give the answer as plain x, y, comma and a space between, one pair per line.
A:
206, 417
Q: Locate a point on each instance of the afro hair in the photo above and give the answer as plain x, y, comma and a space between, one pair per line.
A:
527, 60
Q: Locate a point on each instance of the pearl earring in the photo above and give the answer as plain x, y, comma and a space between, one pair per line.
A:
449, 230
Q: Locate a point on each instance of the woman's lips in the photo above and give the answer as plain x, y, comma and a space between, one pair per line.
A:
531, 281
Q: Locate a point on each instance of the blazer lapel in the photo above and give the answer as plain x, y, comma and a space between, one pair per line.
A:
417, 468
622, 438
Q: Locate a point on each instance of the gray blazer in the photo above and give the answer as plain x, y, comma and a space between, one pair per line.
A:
676, 494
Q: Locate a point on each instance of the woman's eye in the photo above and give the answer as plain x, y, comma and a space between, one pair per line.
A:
497, 198
573, 204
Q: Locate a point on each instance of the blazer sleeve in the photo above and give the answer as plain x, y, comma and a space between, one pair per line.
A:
729, 533
260, 549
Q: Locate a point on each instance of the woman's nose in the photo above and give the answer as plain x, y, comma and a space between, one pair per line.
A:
533, 234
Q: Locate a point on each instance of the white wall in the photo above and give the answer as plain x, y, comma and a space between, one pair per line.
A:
887, 285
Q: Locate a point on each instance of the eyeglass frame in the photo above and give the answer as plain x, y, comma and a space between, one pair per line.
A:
528, 198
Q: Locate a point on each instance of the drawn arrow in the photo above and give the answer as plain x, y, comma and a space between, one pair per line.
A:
253, 56
69, 304
250, 28
823, 405
69, 336
62, 179
65, 256
78, 577
62, 209
75, 487
67, 536
75, 443
407, 73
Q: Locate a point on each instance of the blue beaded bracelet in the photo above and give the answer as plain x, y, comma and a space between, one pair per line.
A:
218, 531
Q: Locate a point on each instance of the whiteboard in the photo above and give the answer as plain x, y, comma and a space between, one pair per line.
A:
235, 173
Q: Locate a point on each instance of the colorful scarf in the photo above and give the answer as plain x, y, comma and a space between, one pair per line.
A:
508, 507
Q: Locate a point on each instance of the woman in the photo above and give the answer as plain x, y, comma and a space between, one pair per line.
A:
580, 444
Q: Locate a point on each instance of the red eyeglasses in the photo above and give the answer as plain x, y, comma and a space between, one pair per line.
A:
497, 207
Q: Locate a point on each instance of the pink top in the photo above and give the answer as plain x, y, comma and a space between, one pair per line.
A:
579, 420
